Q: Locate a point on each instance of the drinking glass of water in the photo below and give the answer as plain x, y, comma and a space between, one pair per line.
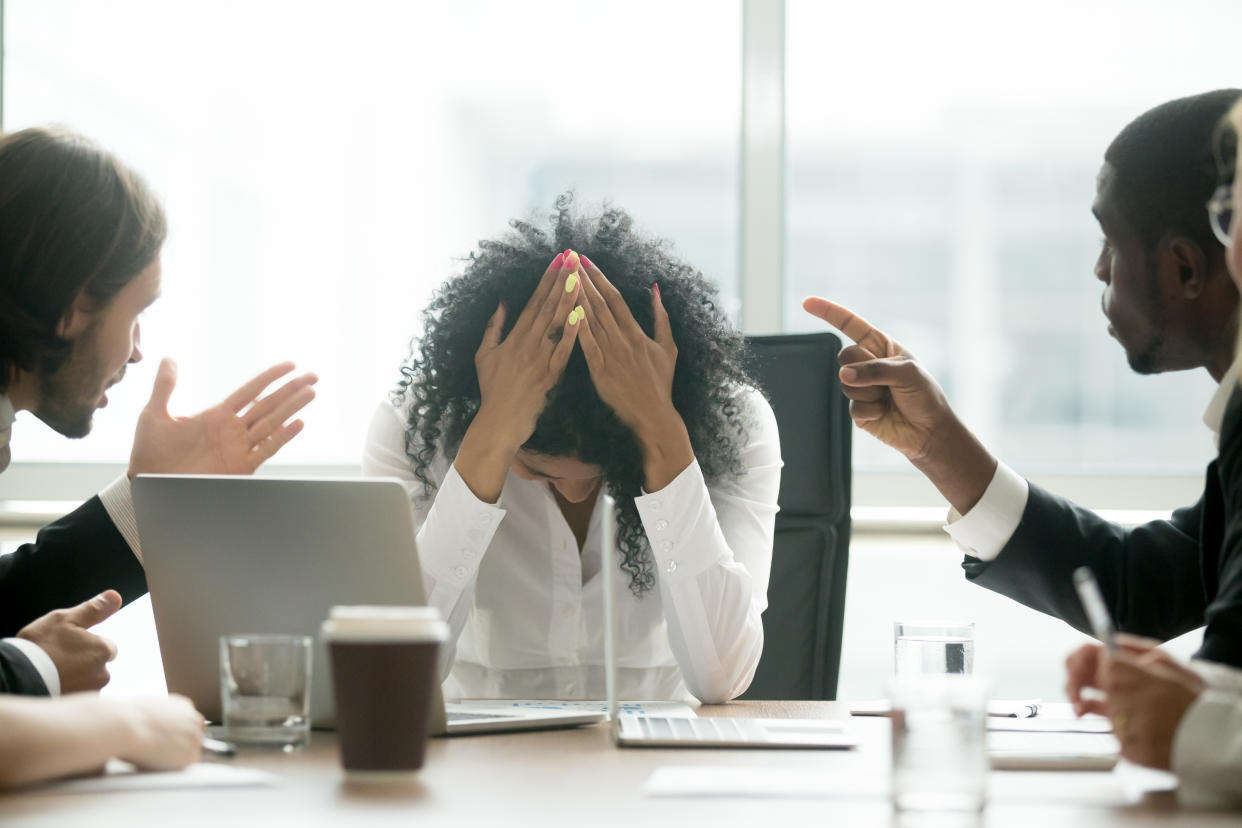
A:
940, 761
933, 647
265, 689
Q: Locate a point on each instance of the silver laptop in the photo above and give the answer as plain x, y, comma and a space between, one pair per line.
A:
715, 732
231, 555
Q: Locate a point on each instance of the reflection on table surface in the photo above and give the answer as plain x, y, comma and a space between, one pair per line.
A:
567, 777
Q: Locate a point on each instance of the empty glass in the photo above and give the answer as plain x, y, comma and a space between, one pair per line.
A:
265, 689
933, 647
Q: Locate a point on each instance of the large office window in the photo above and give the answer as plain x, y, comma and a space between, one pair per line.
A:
326, 165
942, 163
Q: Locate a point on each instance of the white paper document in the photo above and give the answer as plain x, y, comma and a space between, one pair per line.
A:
669, 709
1040, 724
1001, 708
121, 776
759, 781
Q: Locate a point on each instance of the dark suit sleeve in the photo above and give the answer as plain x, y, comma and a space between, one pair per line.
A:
17, 674
1150, 575
71, 560
1222, 640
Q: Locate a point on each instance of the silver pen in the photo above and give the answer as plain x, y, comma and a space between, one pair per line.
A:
219, 747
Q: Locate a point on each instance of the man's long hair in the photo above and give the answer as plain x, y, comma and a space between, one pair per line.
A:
75, 225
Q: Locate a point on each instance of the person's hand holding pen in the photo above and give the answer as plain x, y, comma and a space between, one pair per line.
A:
1143, 691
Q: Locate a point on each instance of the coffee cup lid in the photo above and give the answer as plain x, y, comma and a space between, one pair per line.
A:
360, 622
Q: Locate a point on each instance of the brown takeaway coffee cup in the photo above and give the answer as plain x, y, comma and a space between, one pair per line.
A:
384, 675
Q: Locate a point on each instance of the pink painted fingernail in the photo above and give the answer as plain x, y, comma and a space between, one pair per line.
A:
655, 286
571, 260
556, 263
585, 260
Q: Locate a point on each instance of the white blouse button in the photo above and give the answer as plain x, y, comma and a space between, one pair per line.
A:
666, 546
460, 571
468, 554
661, 525
657, 505
670, 567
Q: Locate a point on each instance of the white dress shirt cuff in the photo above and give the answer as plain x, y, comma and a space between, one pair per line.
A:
1218, 676
672, 518
1204, 755
41, 661
984, 530
458, 530
118, 501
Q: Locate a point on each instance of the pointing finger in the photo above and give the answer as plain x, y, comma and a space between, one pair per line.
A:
852, 325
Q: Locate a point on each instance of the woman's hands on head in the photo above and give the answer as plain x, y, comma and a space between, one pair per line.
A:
516, 373
633, 374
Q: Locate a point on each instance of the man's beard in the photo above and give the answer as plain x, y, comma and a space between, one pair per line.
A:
68, 395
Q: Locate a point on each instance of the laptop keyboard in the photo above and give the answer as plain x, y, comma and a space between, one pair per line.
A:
457, 716
693, 730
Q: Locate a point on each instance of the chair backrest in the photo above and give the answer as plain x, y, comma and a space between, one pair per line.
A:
806, 594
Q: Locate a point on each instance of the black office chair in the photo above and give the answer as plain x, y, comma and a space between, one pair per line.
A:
806, 593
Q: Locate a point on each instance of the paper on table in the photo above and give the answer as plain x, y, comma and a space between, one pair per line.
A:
1053, 751
1013, 708
676, 710
1042, 724
699, 780
121, 776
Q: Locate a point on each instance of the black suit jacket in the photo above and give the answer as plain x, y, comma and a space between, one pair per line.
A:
1160, 579
71, 560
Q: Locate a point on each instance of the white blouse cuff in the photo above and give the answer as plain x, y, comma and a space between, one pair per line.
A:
674, 518
984, 530
118, 502
457, 532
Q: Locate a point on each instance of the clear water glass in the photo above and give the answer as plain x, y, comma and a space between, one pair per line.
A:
940, 761
265, 689
933, 647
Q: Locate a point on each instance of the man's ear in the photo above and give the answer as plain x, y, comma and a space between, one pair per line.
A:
77, 318
1187, 260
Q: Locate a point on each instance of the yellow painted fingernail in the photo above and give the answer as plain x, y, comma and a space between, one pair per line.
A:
576, 315
571, 282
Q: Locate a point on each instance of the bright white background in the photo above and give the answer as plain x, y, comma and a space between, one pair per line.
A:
325, 166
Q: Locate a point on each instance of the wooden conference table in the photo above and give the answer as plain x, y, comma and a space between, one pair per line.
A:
579, 778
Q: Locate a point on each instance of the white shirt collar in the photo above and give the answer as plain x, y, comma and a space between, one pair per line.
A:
6, 430
1214, 416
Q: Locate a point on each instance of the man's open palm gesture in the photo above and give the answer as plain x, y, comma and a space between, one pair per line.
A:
235, 436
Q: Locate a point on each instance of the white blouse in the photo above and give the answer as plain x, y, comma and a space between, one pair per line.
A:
525, 608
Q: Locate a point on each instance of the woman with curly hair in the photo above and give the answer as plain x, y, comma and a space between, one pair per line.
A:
534, 388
